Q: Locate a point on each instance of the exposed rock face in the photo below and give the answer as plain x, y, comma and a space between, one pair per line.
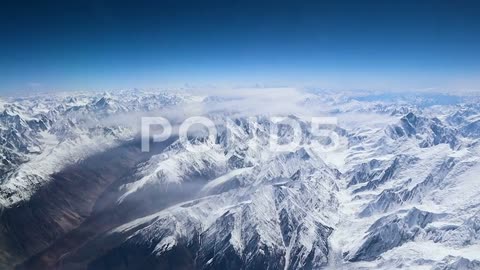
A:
392, 231
430, 131
457, 263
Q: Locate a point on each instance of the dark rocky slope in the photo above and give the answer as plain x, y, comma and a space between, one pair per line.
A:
30, 227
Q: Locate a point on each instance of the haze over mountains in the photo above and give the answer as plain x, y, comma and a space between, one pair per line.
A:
400, 189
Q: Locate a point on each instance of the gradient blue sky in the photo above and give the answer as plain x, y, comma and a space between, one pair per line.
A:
401, 45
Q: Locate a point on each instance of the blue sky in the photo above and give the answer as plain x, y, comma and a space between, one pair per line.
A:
400, 45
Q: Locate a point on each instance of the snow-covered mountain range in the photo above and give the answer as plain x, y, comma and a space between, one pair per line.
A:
400, 190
